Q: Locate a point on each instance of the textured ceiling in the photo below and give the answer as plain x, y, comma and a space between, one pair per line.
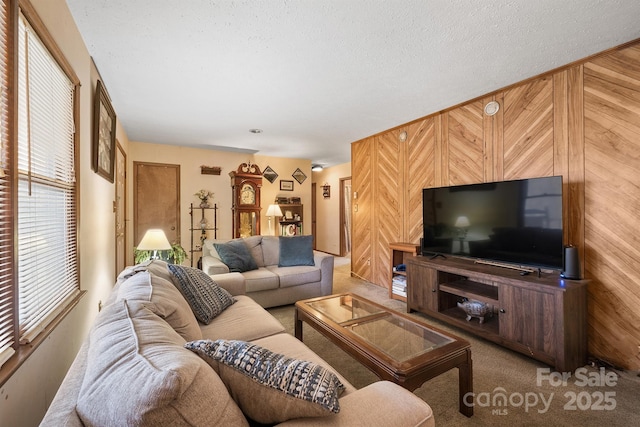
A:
316, 75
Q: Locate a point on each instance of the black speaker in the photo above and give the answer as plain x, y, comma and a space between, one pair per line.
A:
571, 263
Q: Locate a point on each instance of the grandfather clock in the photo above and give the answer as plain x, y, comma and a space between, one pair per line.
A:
245, 184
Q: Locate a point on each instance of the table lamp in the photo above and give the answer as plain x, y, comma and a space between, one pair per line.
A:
272, 211
154, 240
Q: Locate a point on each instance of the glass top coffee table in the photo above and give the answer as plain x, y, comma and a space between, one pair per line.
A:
395, 346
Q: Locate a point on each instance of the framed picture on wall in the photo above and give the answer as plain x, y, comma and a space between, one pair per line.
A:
104, 135
286, 185
299, 176
269, 174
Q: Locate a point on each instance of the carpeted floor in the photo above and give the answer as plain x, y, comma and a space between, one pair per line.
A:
590, 400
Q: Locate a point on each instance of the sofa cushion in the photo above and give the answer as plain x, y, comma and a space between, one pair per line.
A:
162, 298
139, 374
261, 279
236, 256
254, 244
245, 320
296, 250
271, 249
207, 300
271, 387
294, 276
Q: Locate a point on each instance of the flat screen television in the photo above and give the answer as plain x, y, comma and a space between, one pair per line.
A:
516, 222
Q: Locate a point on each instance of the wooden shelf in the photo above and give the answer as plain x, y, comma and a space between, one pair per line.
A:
399, 252
203, 231
472, 290
457, 316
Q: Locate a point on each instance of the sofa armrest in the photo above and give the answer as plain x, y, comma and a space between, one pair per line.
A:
382, 403
234, 283
325, 261
212, 265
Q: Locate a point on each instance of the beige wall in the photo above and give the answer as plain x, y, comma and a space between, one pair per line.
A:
25, 397
328, 210
285, 168
191, 180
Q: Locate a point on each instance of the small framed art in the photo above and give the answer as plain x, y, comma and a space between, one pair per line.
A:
286, 185
269, 174
104, 134
299, 176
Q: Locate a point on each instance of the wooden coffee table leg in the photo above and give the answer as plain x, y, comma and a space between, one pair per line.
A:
297, 325
465, 385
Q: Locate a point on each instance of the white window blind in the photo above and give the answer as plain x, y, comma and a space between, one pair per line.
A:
6, 216
47, 259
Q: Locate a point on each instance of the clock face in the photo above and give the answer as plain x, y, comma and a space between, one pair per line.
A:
248, 195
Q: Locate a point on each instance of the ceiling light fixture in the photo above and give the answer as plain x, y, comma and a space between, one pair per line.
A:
316, 168
255, 130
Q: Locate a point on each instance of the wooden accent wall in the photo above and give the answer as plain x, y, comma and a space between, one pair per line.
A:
581, 122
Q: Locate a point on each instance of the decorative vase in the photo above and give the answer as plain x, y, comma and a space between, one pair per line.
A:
203, 223
204, 204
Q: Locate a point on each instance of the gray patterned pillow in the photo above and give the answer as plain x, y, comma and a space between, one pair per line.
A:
270, 387
206, 299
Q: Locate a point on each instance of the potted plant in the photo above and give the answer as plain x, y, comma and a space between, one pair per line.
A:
204, 196
175, 255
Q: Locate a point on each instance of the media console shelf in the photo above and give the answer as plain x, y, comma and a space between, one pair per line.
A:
542, 317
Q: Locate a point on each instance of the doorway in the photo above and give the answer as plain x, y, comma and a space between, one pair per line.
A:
345, 217
156, 199
120, 208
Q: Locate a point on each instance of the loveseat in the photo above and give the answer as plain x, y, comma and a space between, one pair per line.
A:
152, 358
273, 270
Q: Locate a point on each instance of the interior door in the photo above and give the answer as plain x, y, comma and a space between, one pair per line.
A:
345, 217
313, 213
120, 208
156, 199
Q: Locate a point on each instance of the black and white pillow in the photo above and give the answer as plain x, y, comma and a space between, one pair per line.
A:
206, 299
270, 387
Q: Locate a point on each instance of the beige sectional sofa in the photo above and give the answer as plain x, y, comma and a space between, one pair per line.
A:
133, 369
271, 284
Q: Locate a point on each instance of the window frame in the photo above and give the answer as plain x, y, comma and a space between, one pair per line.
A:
14, 7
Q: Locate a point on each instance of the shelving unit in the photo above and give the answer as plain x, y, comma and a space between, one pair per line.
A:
292, 226
541, 316
203, 226
399, 253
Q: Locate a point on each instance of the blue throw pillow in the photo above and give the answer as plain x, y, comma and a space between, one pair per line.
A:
236, 256
296, 250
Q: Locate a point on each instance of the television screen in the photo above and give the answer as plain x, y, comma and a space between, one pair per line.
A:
517, 222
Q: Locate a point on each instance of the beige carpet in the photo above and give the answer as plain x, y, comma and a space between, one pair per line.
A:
496, 372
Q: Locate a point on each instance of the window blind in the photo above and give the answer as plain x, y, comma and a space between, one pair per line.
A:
46, 222
7, 317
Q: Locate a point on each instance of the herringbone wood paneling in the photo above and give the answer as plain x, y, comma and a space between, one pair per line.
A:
582, 123
465, 141
362, 215
528, 130
612, 203
388, 201
421, 174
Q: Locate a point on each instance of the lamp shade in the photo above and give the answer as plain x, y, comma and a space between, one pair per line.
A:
462, 222
154, 240
274, 210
